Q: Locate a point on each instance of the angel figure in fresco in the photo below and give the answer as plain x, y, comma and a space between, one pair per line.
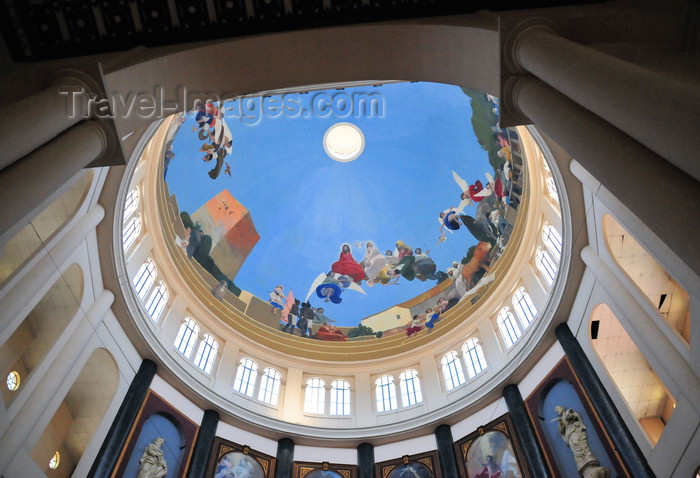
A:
330, 287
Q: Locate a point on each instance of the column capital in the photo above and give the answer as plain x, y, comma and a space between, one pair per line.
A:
513, 39
75, 77
511, 114
108, 137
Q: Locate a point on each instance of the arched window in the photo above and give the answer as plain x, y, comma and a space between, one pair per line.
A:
452, 370
524, 307
409, 385
246, 375
552, 239
269, 390
340, 397
157, 300
206, 353
546, 265
474, 357
131, 202
131, 232
509, 329
386, 394
315, 396
552, 188
145, 278
187, 337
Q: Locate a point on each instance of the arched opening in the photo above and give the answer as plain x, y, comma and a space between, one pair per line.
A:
75, 421
645, 394
30, 238
667, 297
38, 332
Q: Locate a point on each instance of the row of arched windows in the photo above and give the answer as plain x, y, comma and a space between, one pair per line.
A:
186, 340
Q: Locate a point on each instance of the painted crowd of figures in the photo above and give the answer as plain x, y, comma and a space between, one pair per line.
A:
482, 211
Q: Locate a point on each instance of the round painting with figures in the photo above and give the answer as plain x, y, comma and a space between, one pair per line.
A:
238, 465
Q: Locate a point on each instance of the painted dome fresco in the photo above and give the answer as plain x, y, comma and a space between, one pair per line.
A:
339, 213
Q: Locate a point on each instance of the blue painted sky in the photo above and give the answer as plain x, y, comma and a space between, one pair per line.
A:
305, 205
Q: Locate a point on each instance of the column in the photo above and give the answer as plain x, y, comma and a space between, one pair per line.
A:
203, 445
628, 450
639, 178
652, 108
27, 186
285, 458
118, 433
525, 432
45, 114
446, 452
365, 460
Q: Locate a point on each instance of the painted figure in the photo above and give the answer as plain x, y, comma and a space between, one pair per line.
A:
277, 298
347, 266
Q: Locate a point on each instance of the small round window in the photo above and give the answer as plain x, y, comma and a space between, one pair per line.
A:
13, 381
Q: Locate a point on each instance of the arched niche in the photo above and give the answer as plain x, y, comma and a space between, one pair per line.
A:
562, 393
667, 297
31, 237
159, 425
36, 335
75, 421
646, 396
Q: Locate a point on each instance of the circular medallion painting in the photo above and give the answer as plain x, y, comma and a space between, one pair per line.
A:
384, 241
238, 465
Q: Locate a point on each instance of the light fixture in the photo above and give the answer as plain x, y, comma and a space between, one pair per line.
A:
344, 142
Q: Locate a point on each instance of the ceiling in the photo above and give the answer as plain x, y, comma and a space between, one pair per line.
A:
47, 29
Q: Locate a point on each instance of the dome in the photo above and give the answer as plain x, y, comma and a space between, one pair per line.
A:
420, 246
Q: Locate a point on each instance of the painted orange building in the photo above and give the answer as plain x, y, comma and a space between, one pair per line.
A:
232, 230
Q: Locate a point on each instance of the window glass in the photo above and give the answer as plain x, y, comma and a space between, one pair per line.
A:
386, 394
474, 357
409, 385
452, 370
186, 337
245, 377
340, 397
524, 307
269, 386
507, 326
315, 396
206, 353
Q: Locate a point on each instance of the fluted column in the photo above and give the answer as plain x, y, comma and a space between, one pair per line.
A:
628, 450
121, 426
644, 182
536, 462
654, 109
29, 183
203, 445
35, 120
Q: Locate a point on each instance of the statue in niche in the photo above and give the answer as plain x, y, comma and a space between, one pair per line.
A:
573, 431
152, 461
